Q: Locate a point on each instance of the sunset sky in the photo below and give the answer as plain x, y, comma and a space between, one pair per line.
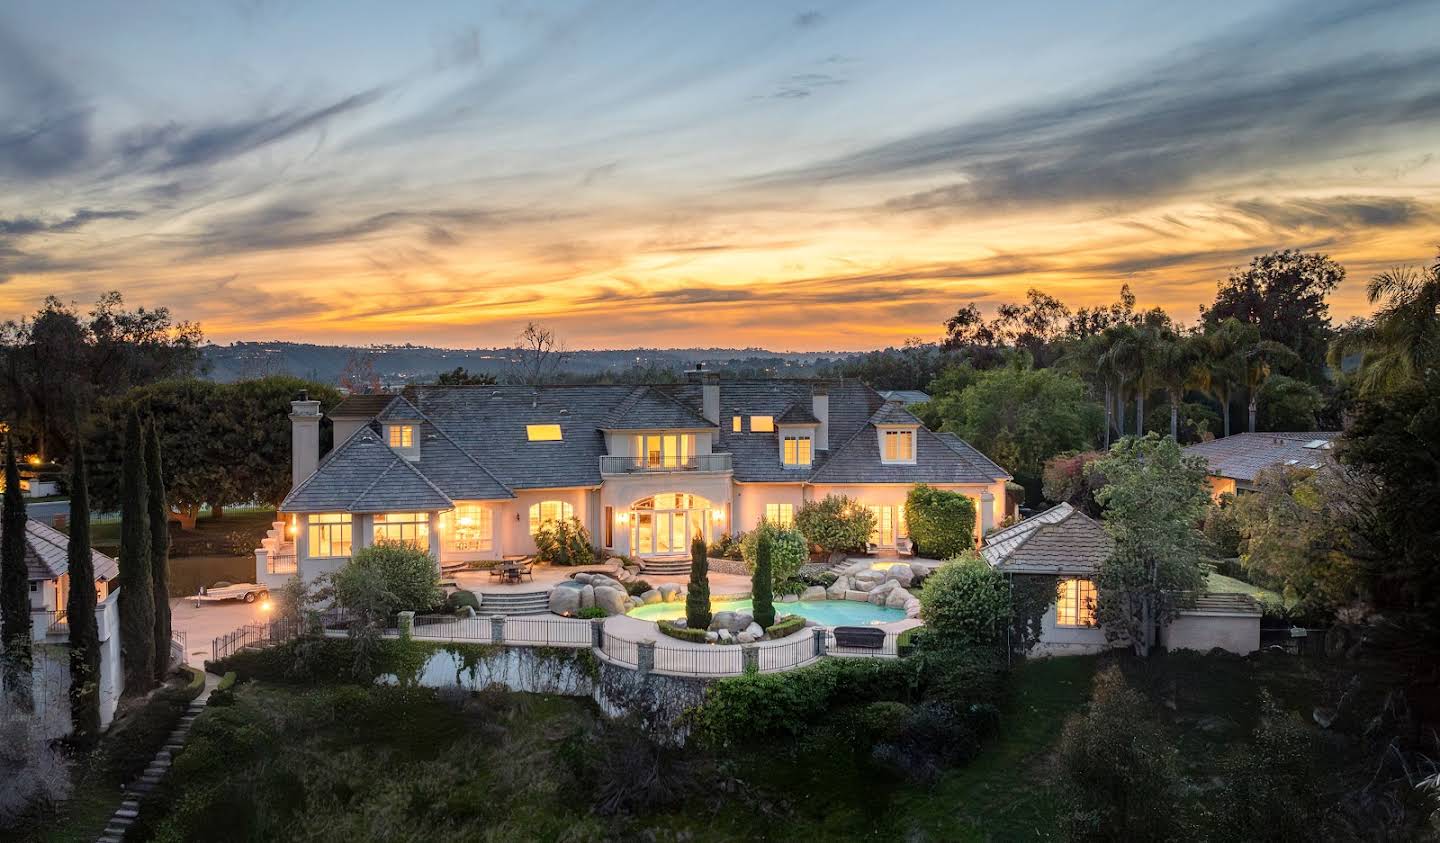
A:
795, 176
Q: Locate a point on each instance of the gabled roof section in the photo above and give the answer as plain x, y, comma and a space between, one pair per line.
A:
1242, 456
893, 412
796, 414
457, 474
360, 406
1060, 540
348, 480
47, 554
981, 462
399, 410
858, 461
649, 409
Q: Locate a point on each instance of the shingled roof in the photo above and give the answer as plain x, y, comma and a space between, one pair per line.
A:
360, 406
649, 409
796, 414
1242, 456
47, 554
364, 475
1060, 540
893, 412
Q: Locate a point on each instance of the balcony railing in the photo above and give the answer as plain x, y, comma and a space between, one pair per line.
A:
643, 464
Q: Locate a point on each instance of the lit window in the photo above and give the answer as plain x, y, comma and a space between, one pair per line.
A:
412, 528
402, 436
735, 423
1075, 603
762, 424
329, 534
543, 432
797, 450
549, 511
899, 446
468, 529
664, 450
780, 514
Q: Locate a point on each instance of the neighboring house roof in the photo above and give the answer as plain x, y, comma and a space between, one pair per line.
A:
47, 554
1241, 605
360, 406
1242, 456
905, 396
1060, 540
648, 409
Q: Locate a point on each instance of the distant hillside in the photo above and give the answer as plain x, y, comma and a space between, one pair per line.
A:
399, 365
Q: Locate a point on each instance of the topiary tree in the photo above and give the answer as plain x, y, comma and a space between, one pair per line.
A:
942, 523
966, 601
80, 609
137, 592
564, 542
762, 583
388, 577
835, 524
159, 513
788, 550
697, 595
15, 643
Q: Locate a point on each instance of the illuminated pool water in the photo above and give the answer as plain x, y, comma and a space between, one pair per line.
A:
826, 612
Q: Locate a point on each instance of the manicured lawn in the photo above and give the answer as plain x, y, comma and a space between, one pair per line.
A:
1229, 585
1003, 794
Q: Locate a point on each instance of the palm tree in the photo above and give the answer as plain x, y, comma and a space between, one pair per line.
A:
1086, 359
1222, 363
1261, 359
1403, 337
1177, 367
1120, 360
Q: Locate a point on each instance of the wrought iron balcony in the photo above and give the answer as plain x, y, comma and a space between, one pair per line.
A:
645, 465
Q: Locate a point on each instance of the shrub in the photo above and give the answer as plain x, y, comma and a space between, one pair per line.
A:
1269, 789
564, 542
967, 601
635, 588
697, 594
1222, 528
133, 740
1119, 769
788, 625
591, 612
835, 524
941, 523
683, 633
962, 676
762, 583
388, 577
729, 546
461, 599
788, 551
32, 766
932, 736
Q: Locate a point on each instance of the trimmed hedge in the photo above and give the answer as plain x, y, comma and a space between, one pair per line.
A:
681, 633
134, 739
590, 613
941, 522
788, 625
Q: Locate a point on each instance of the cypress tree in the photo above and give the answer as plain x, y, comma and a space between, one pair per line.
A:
80, 609
697, 597
137, 595
14, 589
762, 587
159, 511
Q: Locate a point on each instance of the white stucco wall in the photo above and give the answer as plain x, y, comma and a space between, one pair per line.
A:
1056, 640
512, 528
1204, 632
751, 498
50, 675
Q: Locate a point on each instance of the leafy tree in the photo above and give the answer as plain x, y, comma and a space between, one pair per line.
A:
564, 542
1402, 339
941, 522
1261, 361
459, 376
697, 594
388, 577
788, 550
80, 608
966, 602
1268, 788
254, 434
1152, 503
1222, 527
137, 593
835, 524
15, 644
911, 366
1021, 417
1067, 481
159, 514
1283, 295
762, 583
1119, 771
1287, 403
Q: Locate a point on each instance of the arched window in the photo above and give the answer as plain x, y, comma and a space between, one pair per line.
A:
549, 511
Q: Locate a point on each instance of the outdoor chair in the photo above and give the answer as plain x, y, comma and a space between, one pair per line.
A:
859, 637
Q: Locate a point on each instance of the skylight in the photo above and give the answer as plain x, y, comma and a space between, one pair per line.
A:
1318, 443
543, 432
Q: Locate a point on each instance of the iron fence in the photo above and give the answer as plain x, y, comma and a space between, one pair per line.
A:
787, 655
452, 628
705, 660
621, 651
548, 632
888, 649
255, 635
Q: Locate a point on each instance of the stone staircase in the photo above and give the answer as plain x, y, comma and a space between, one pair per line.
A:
275, 546
514, 603
665, 567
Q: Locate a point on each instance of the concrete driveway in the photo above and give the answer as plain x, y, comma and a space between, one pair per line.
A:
209, 621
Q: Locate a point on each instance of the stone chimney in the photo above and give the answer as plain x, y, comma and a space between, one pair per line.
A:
304, 438
820, 408
710, 397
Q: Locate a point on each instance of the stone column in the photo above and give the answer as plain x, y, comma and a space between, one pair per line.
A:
406, 623
750, 658
497, 629
645, 656
597, 633
822, 639
987, 513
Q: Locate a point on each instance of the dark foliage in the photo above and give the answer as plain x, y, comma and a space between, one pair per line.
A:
697, 595
762, 586
80, 609
15, 660
159, 513
137, 594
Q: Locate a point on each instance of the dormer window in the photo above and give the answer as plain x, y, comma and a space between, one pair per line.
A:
402, 435
543, 432
796, 450
897, 446
762, 424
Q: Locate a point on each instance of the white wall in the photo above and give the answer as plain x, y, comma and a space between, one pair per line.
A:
1058, 640
512, 527
751, 498
1234, 633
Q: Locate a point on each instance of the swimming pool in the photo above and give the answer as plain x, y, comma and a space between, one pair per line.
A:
825, 612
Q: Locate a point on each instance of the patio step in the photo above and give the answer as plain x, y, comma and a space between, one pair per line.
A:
510, 603
665, 567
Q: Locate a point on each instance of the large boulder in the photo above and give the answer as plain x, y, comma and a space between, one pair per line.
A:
901, 573
869, 575
726, 636
837, 589
790, 598
897, 598
612, 600
912, 607
742, 620
754, 631
723, 620
583, 578
814, 592
857, 596
651, 596
745, 638
880, 592
587, 596
599, 580
565, 601
712, 636
670, 592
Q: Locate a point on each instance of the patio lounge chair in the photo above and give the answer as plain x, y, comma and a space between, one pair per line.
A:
859, 637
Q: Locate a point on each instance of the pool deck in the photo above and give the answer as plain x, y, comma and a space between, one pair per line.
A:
547, 577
